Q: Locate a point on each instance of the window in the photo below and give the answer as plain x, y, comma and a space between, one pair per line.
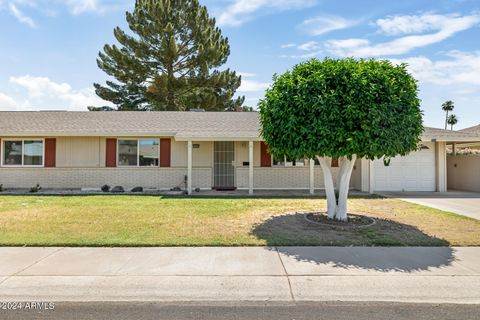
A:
149, 151
141, 152
279, 161
127, 152
287, 162
23, 153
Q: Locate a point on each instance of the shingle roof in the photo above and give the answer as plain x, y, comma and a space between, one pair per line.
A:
475, 129
181, 125
449, 135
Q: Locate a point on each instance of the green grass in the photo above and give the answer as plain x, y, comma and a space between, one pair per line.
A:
157, 221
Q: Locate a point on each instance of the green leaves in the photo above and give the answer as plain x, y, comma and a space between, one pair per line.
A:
170, 62
338, 108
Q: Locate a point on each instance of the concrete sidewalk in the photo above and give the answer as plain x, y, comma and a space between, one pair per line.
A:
436, 275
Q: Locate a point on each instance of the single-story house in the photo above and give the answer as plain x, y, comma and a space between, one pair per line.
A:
206, 150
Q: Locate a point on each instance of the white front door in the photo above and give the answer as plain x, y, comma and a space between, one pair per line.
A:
414, 172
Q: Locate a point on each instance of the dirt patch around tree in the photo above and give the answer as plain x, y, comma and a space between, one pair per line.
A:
354, 220
295, 229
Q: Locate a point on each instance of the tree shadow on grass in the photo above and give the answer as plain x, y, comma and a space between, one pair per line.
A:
295, 237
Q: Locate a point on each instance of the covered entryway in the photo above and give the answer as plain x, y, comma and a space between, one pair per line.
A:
414, 172
224, 165
463, 167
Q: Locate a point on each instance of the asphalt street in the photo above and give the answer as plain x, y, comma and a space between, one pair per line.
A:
250, 311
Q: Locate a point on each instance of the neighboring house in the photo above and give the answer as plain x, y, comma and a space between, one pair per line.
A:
206, 150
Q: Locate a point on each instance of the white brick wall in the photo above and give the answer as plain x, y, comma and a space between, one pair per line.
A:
282, 178
162, 178
65, 178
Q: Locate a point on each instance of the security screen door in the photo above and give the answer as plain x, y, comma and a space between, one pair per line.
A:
224, 169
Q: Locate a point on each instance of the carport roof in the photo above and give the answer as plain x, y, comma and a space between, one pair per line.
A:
436, 134
474, 129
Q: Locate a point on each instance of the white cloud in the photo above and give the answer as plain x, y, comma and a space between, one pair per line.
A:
324, 24
288, 45
22, 18
41, 86
449, 26
7, 103
241, 11
461, 69
396, 25
249, 85
309, 46
246, 74
312, 49
52, 8
43, 92
303, 56
453, 77
81, 6
253, 86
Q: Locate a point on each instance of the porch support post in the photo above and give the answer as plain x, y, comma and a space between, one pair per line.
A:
365, 174
371, 175
189, 167
441, 166
312, 176
250, 167
454, 148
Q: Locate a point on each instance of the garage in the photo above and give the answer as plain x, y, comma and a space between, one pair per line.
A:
414, 172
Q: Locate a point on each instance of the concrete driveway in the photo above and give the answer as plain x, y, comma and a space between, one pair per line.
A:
464, 203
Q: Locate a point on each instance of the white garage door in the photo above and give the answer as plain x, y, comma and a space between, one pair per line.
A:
414, 172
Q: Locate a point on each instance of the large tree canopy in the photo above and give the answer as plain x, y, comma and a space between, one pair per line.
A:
172, 61
345, 109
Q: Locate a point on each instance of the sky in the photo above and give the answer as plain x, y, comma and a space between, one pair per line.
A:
48, 48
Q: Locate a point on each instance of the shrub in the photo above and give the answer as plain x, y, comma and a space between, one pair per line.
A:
35, 189
106, 188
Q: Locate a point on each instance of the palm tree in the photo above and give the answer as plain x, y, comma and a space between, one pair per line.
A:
447, 106
452, 120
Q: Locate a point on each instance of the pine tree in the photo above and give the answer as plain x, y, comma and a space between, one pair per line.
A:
172, 61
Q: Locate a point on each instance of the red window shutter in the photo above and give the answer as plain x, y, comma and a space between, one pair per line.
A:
111, 153
265, 157
50, 152
165, 152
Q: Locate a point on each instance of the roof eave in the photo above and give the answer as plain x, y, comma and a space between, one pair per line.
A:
87, 134
452, 139
200, 138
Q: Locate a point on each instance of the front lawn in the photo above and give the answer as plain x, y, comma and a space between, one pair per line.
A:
157, 221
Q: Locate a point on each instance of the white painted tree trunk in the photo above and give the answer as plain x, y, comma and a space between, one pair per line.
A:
344, 187
337, 208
